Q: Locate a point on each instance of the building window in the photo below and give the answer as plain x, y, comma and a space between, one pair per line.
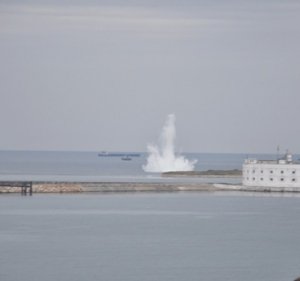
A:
247, 171
261, 179
271, 172
294, 172
293, 180
282, 172
253, 179
253, 171
247, 178
282, 179
262, 171
271, 179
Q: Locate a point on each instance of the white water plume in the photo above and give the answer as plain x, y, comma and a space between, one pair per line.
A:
165, 159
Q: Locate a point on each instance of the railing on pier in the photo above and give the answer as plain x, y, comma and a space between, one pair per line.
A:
25, 186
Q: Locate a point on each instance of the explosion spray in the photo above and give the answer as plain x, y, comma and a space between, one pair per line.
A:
165, 159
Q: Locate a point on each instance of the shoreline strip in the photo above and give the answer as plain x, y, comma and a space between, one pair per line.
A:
78, 187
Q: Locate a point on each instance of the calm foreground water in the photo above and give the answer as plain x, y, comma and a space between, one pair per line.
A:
150, 236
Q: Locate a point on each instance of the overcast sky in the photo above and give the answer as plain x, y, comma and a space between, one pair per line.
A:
103, 75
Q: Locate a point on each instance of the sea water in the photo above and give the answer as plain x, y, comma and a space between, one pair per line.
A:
88, 166
150, 236
142, 237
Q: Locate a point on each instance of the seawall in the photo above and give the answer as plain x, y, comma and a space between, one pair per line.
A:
77, 187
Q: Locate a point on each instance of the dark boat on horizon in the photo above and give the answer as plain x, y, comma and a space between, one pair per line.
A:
126, 158
118, 154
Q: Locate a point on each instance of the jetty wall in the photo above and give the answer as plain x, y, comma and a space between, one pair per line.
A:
77, 187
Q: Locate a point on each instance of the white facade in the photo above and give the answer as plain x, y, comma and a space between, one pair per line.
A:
282, 173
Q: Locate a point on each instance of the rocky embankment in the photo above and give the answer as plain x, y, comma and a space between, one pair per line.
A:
41, 187
208, 173
75, 187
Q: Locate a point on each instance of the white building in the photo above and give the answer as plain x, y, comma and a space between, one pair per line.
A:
282, 173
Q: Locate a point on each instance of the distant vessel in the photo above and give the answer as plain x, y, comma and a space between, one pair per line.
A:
118, 154
282, 173
126, 158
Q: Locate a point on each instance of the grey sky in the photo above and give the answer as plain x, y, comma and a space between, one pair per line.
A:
103, 75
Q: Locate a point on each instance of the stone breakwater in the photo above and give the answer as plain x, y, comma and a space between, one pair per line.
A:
56, 187
49, 187
75, 187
